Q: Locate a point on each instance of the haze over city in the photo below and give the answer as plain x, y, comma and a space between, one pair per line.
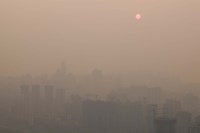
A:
37, 35
99, 66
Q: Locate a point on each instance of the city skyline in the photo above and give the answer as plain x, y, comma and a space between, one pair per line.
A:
37, 35
99, 66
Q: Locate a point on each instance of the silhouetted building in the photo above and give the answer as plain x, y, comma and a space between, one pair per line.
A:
60, 102
35, 101
154, 95
98, 116
150, 115
171, 108
191, 104
196, 126
49, 101
165, 125
25, 102
183, 122
49, 94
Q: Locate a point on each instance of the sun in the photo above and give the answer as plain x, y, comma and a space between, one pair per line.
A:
138, 16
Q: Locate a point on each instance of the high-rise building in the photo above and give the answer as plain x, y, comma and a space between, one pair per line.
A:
60, 95
165, 125
49, 101
35, 101
25, 102
191, 104
196, 126
150, 115
154, 95
171, 108
60, 102
49, 94
35, 93
183, 122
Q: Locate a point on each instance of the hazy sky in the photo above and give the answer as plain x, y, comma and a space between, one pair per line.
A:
36, 35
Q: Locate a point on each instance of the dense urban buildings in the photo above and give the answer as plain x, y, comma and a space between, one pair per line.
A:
68, 103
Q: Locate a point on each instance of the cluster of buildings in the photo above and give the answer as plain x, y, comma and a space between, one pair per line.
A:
48, 108
62, 103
